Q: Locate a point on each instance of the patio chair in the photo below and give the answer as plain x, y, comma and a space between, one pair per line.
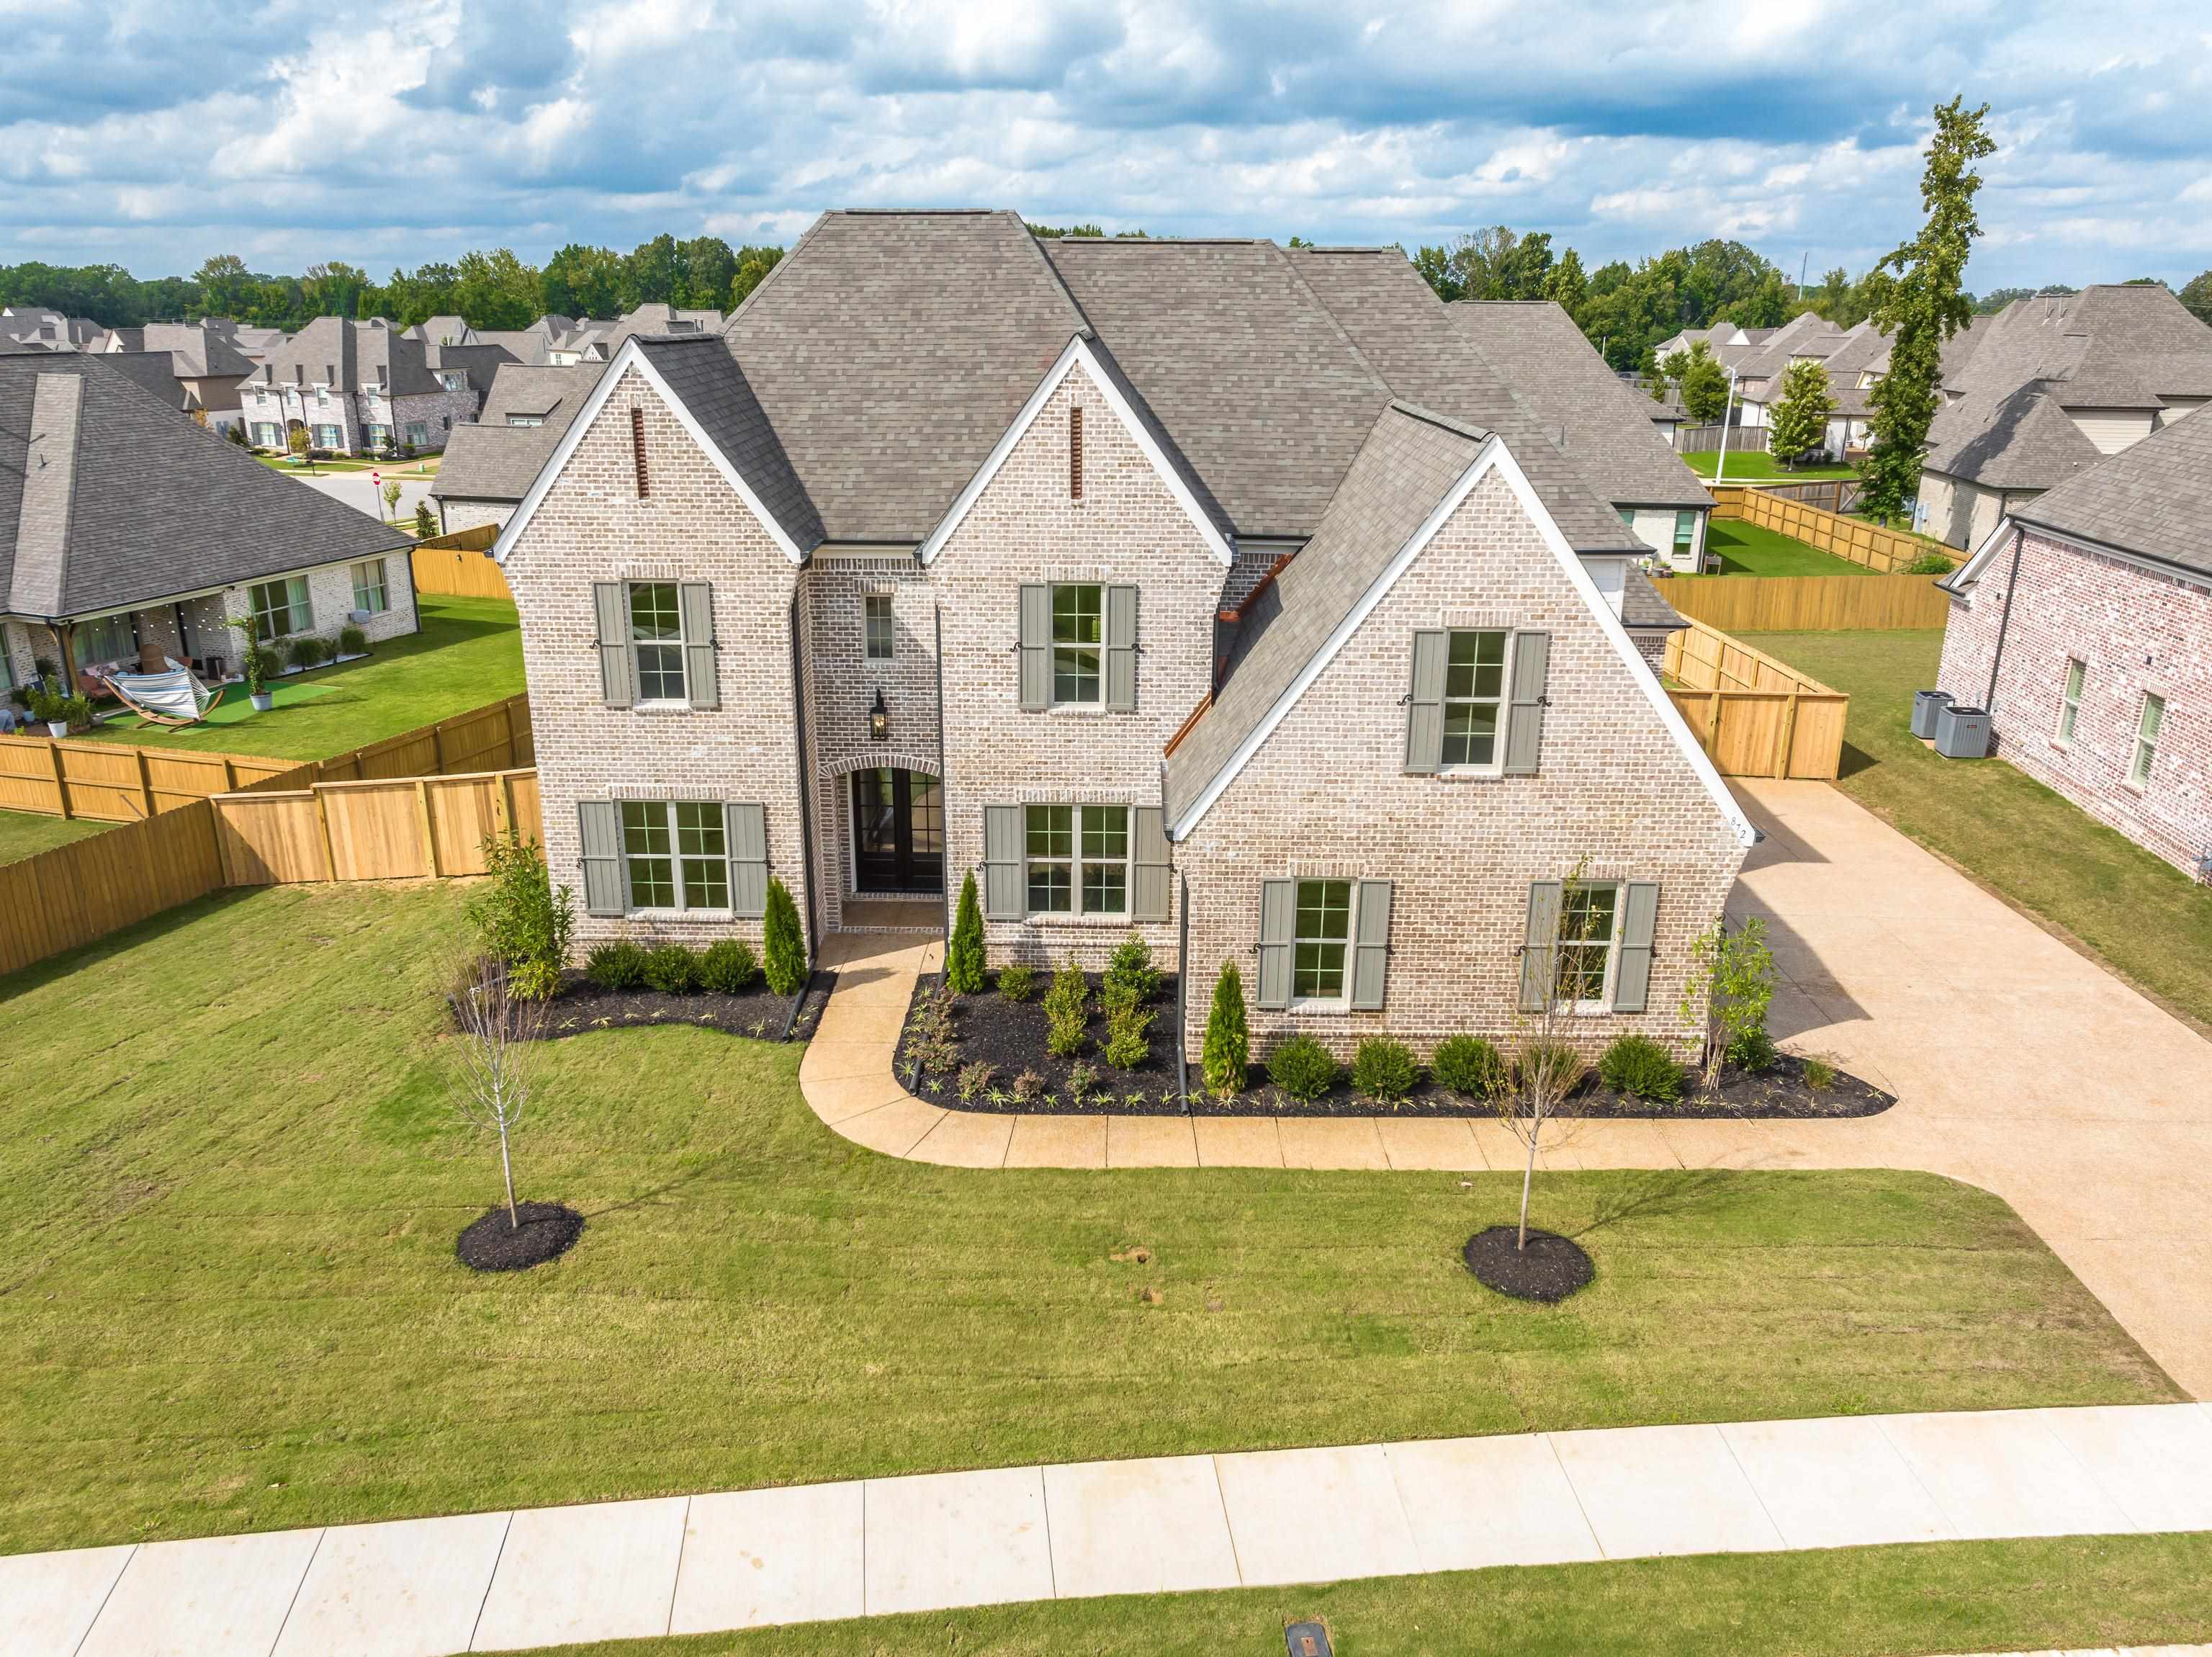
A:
174, 697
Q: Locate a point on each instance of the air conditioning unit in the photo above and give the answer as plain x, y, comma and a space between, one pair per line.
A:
1927, 707
1962, 733
358, 618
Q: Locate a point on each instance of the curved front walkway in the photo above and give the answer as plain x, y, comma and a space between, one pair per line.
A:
2018, 1065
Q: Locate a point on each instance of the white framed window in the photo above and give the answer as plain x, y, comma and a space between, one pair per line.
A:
676, 854
1320, 944
2069, 699
1077, 859
376, 436
330, 436
369, 591
418, 433
2146, 729
268, 435
454, 379
281, 607
1686, 533
1078, 643
1474, 700
1589, 936
656, 641
877, 620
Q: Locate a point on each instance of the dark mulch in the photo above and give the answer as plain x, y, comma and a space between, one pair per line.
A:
1009, 1037
582, 1006
546, 1230
1550, 1269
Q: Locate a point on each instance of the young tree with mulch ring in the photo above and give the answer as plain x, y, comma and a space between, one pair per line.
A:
964, 956
499, 1031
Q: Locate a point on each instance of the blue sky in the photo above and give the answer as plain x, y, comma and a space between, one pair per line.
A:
154, 132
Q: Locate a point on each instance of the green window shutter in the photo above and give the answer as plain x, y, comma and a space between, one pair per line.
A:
1524, 718
1149, 871
745, 827
1121, 647
1035, 651
1631, 985
1371, 946
1005, 889
1425, 706
697, 600
607, 887
1278, 915
611, 600
1540, 947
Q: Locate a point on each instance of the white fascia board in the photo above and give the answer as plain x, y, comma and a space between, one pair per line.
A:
1492, 456
1970, 572
1079, 350
633, 355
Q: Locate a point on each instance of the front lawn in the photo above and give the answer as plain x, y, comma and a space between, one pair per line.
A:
27, 833
468, 653
2030, 845
1746, 548
234, 1180
423, 467
1758, 466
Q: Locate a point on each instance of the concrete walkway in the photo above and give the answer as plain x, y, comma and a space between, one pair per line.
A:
2018, 1066
708, 1563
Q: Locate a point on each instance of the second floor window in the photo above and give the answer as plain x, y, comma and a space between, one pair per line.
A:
1078, 614
876, 615
1474, 694
656, 632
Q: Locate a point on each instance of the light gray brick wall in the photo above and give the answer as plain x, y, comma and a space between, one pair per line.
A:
455, 515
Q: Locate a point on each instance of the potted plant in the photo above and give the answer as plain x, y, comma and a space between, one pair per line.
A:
254, 661
53, 709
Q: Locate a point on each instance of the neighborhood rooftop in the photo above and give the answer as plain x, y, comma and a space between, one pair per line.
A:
2148, 500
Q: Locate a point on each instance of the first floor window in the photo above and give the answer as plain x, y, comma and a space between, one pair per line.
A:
280, 606
1077, 859
1474, 689
417, 433
2146, 727
377, 436
111, 638
1078, 615
1589, 919
656, 632
268, 435
330, 436
1321, 940
1686, 533
676, 854
368, 589
876, 615
2069, 699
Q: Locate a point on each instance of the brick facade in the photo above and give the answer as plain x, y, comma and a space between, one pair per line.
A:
2135, 632
354, 412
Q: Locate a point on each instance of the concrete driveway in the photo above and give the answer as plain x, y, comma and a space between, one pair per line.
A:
2018, 1065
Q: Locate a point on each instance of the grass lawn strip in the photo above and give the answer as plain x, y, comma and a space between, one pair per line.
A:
469, 654
27, 833
1748, 549
2094, 887
2030, 1596
1758, 466
233, 1302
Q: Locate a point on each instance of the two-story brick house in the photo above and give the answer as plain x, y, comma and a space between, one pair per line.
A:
359, 387
1128, 577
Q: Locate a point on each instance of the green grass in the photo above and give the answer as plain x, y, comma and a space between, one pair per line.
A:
2038, 851
2036, 1594
231, 1301
423, 467
27, 833
1756, 465
468, 653
1746, 549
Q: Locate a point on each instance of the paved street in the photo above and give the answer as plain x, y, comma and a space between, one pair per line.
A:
354, 489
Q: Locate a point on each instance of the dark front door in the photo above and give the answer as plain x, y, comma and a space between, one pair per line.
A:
898, 831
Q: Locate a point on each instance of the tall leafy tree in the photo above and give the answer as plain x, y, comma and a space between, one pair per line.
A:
1800, 417
1704, 385
1566, 286
649, 273
497, 291
1436, 268
582, 281
2196, 294
704, 268
753, 265
1922, 308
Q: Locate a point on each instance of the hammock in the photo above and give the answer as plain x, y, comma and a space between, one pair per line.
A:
175, 697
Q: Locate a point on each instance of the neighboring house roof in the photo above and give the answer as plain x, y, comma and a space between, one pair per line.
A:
108, 500
156, 371
350, 356
200, 352
1807, 334
708, 380
2021, 441
2148, 499
1600, 426
443, 331
491, 461
1645, 608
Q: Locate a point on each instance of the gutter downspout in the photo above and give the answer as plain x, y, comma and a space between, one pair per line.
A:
806, 788
2004, 623
943, 783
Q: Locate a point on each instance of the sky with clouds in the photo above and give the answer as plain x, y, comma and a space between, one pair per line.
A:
152, 133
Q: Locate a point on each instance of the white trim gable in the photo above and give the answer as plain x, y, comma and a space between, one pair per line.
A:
1079, 350
1493, 456
1971, 571
633, 355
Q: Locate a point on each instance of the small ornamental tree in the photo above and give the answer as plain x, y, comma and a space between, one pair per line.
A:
391, 497
1228, 1053
1801, 413
964, 956
425, 524
499, 1028
296, 440
783, 954
1730, 988
1705, 385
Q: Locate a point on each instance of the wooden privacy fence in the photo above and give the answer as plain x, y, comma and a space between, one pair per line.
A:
1756, 716
1829, 494
1706, 440
1886, 550
1790, 603
76, 893
123, 782
459, 565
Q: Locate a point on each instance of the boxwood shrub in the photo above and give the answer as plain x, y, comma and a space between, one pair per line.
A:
1303, 1068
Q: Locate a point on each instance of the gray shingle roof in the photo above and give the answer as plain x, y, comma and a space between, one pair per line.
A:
709, 381
346, 355
492, 461
2023, 440
156, 506
1643, 605
2148, 499
1410, 460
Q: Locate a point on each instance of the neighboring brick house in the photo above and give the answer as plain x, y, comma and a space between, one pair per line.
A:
2084, 625
357, 387
1111, 572
204, 359
128, 535
489, 465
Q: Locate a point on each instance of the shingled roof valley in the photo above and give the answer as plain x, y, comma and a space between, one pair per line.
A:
2148, 499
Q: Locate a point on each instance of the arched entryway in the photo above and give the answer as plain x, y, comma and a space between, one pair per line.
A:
897, 818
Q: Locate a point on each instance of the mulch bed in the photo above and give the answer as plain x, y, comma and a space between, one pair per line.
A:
539, 1231
1549, 1269
581, 1007
1009, 1037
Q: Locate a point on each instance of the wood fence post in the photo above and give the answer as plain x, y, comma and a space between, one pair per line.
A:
430, 828
61, 779
230, 776
1713, 725
145, 783
506, 802
1786, 740
323, 822
438, 747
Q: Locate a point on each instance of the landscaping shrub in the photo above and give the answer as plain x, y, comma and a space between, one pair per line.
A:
425, 524
1128, 1043
1383, 1069
728, 967
617, 966
1228, 1052
1554, 1065
1303, 1068
305, 651
673, 970
964, 956
1468, 1065
784, 952
522, 917
1930, 563
1819, 1074
1082, 1081
1028, 1087
975, 1080
1017, 982
935, 1048
1130, 970
352, 642
1641, 1066
1752, 1050
1731, 982
1066, 1012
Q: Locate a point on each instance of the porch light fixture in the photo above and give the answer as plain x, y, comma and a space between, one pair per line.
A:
879, 718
